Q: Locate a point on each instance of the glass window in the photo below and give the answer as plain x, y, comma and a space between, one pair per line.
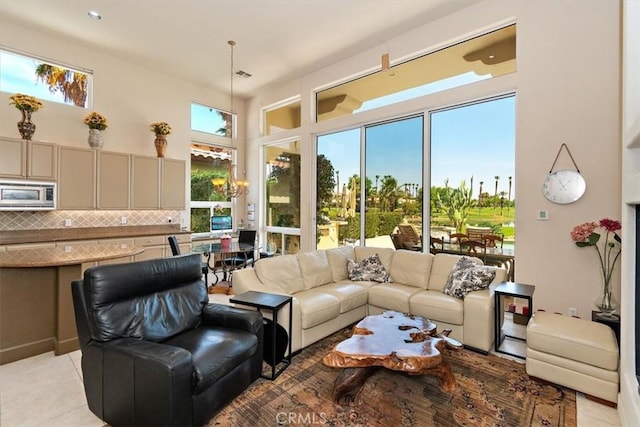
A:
282, 169
484, 57
392, 187
210, 210
211, 120
282, 117
44, 80
473, 169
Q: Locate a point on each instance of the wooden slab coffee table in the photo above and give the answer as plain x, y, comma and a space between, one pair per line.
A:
396, 341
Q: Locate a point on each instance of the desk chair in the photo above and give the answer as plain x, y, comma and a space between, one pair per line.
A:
175, 251
246, 258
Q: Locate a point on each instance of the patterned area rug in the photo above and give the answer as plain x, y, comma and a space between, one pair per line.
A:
491, 391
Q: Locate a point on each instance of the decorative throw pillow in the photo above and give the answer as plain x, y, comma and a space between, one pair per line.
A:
370, 269
467, 276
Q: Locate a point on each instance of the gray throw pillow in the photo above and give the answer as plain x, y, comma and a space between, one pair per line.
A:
467, 276
370, 269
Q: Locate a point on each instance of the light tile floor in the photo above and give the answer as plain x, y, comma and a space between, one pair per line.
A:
46, 390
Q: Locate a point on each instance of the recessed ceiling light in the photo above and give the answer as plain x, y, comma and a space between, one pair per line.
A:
94, 15
491, 56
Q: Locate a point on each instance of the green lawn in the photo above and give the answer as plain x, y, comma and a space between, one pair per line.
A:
485, 217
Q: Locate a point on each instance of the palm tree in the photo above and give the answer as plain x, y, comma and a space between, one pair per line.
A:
495, 194
509, 199
502, 194
72, 84
480, 197
388, 193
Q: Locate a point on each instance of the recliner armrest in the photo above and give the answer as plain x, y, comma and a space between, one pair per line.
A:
231, 317
139, 382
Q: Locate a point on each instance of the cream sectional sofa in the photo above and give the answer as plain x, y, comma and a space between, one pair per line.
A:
325, 300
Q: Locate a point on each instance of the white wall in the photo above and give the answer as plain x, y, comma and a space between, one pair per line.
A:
629, 402
129, 95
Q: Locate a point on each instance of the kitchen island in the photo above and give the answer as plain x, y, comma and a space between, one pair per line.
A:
36, 307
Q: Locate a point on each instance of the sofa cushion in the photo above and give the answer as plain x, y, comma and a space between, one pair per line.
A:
207, 344
370, 269
411, 268
440, 269
351, 295
437, 306
282, 272
392, 296
316, 307
468, 276
315, 269
338, 261
385, 254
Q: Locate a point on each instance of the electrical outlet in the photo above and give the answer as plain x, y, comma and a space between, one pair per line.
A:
67, 222
573, 311
123, 220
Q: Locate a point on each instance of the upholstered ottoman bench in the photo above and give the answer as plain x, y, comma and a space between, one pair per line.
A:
575, 353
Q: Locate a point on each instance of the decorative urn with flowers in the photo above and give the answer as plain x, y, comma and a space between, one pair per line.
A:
26, 104
161, 129
97, 123
585, 235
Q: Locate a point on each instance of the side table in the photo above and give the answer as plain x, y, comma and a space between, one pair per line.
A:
612, 321
272, 302
517, 290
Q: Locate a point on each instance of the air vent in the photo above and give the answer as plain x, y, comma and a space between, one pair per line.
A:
243, 74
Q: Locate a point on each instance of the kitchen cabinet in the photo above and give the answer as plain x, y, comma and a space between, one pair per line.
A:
145, 182
20, 159
76, 178
114, 182
173, 184
154, 247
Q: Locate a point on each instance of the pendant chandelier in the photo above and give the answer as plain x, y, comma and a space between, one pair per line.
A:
232, 186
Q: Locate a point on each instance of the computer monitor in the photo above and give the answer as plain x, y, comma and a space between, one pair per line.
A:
221, 222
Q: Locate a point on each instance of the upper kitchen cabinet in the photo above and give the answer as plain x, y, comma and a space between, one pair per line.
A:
145, 182
114, 182
173, 184
20, 159
76, 178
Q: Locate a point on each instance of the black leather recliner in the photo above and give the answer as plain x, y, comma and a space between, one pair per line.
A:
154, 351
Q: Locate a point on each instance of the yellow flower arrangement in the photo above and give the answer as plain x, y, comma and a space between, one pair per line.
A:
96, 121
160, 128
25, 102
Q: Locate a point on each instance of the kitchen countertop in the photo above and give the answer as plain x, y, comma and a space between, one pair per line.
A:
9, 237
67, 255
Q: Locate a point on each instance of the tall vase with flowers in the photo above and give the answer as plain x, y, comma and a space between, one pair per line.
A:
26, 104
97, 123
585, 235
161, 129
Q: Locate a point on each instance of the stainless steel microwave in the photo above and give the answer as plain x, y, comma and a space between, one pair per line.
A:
27, 195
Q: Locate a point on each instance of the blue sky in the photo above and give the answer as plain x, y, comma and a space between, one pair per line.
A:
476, 140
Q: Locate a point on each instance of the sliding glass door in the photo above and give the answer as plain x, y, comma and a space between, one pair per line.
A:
354, 211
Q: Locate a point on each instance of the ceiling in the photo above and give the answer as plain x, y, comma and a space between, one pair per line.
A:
277, 40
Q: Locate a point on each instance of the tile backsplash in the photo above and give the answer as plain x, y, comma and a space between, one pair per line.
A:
36, 220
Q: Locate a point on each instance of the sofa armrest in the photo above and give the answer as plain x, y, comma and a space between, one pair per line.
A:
138, 382
478, 319
245, 280
231, 317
